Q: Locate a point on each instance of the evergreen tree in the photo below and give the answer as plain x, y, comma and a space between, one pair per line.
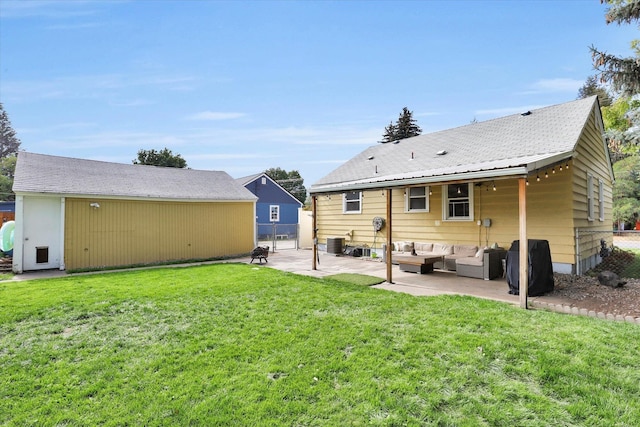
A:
389, 133
591, 87
9, 146
622, 73
9, 143
163, 157
405, 127
290, 181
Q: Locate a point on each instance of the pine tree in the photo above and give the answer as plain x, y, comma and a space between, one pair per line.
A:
9, 143
9, 146
622, 73
591, 87
405, 127
389, 133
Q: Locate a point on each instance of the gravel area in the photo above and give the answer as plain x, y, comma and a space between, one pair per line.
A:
587, 292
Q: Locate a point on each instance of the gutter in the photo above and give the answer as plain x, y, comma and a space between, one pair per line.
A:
505, 173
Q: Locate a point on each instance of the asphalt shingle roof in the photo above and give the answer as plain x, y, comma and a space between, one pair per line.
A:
40, 173
514, 141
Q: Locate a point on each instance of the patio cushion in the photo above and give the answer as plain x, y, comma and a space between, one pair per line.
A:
442, 249
402, 246
421, 247
465, 250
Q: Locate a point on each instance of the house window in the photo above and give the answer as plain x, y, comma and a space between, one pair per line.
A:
351, 202
590, 202
601, 199
263, 181
274, 213
417, 199
458, 202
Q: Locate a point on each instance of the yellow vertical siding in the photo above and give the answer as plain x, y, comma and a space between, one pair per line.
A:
125, 232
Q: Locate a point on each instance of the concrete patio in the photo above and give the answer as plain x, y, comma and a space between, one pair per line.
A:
436, 283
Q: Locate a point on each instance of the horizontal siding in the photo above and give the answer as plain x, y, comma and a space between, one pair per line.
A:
556, 206
123, 233
591, 159
548, 217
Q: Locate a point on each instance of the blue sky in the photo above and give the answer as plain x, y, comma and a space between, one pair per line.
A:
245, 86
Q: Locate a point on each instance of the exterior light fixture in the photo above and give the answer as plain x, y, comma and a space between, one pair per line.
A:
546, 174
494, 187
560, 168
538, 177
459, 190
527, 182
553, 170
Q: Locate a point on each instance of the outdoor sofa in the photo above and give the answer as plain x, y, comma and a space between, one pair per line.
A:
465, 260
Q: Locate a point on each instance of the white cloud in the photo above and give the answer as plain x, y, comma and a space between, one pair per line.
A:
89, 86
81, 26
95, 141
215, 115
47, 8
227, 156
553, 86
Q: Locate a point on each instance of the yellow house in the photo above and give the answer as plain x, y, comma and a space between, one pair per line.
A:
83, 214
542, 174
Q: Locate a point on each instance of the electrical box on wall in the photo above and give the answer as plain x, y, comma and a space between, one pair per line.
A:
486, 222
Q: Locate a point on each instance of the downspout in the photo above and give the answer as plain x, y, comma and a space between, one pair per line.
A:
314, 227
62, 232
578, 269
389, 228
18, 241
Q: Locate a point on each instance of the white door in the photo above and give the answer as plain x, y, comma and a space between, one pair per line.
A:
41, 241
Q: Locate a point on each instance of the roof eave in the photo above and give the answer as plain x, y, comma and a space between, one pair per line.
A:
440, 179
517, 171
133, 198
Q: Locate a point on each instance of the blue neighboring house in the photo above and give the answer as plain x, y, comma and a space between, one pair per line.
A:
276, 207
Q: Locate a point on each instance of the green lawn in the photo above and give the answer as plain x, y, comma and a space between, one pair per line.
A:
245, 345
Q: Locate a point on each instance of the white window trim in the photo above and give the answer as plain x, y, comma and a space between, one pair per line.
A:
407, 200
445, 204
590, 201
277, 219
344, 203
601, 199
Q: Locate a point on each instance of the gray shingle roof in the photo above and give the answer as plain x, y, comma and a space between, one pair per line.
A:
499, 147
39, 173
247, 179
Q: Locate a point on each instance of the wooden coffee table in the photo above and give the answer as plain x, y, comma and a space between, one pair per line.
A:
416, 263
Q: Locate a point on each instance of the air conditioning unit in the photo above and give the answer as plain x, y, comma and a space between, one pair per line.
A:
335, 245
